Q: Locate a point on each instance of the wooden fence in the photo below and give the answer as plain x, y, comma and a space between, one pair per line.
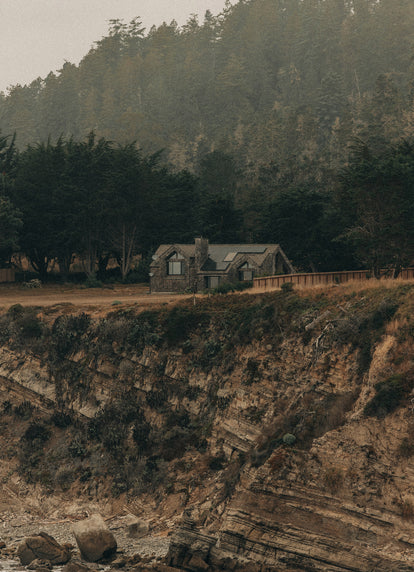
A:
321, 278
7, 275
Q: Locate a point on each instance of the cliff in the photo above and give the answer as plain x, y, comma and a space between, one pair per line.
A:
270, 432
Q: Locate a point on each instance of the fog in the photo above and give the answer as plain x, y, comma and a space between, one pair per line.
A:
38, 36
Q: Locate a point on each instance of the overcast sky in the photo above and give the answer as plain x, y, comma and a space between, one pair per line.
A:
38, 36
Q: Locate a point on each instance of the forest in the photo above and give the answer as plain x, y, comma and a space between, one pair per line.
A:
288, 121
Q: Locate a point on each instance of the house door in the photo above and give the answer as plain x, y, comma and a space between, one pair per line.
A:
212, 281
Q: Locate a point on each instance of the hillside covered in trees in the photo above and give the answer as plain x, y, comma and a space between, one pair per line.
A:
269, 116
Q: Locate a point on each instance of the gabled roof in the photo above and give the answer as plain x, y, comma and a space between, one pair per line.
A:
188, 250
221, 256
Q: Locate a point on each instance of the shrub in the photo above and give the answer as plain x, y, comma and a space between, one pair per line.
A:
64, 478
174, 442
119, 485
139, 273
180, 322
112, 330
178, 418
24, 410
289, 439
36, 432
333, 479
228, 287
110, 425
7, 407
192, 392
253, 372
30, 326
62, 419
67, 333
255, 414
85, 476
389, 395
217, 463
211, 349
277, 460
223, 402
15, 311
187, 347
92, 282
156, 399
287, 287
143, 330
406, 448
77, 448
140, 434
407, 510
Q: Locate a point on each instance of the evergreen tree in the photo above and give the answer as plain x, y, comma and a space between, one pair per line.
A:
376, 200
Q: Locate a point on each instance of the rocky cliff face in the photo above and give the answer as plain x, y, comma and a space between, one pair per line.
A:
271, 432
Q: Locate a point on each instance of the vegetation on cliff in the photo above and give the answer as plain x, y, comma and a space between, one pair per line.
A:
161, 382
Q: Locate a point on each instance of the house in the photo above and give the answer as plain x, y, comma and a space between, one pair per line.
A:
199, 266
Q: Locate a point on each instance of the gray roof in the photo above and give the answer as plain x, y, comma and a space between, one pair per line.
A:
220, 256
187, 249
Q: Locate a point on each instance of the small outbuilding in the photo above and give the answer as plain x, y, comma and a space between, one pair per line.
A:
200, 266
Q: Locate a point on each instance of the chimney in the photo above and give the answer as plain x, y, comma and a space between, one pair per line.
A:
201, 251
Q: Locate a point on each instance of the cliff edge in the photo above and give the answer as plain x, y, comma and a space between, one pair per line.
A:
268, 432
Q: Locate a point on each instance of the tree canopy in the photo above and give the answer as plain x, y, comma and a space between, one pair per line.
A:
376, 200
240, 127
265, 80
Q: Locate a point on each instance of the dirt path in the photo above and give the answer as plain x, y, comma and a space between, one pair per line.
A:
88, 298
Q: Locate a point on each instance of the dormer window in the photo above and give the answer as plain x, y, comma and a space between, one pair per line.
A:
246, 272
175, 264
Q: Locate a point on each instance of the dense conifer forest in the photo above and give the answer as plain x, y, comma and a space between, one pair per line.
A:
285, 121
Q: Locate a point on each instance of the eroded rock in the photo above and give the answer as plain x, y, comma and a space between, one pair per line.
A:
75, 567
44, 547
94, 539
39, 563
137, 527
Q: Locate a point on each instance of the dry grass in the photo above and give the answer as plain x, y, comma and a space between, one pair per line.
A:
69, 297
394, 327
353, 286
407, 509
333, 479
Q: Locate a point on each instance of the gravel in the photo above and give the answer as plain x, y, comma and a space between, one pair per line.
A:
13, 529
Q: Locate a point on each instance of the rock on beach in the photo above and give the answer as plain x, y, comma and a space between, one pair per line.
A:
42, 546
94, 539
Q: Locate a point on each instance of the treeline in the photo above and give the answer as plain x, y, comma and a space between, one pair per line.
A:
279, 120
93, 201
287, 82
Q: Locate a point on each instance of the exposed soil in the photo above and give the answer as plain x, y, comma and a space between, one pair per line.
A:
88, 298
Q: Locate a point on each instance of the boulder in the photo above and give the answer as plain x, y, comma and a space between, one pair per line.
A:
119, 562
94, 539
44, 547
137, 528
75, 567
40, 563
197, 564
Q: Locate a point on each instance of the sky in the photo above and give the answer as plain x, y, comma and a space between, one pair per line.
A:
38, 36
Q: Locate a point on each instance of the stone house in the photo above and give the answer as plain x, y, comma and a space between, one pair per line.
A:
199, 266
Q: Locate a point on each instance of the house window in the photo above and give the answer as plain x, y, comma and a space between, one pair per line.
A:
246, 272
175, 265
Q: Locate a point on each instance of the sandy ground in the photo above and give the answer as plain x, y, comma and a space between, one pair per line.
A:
88, 298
